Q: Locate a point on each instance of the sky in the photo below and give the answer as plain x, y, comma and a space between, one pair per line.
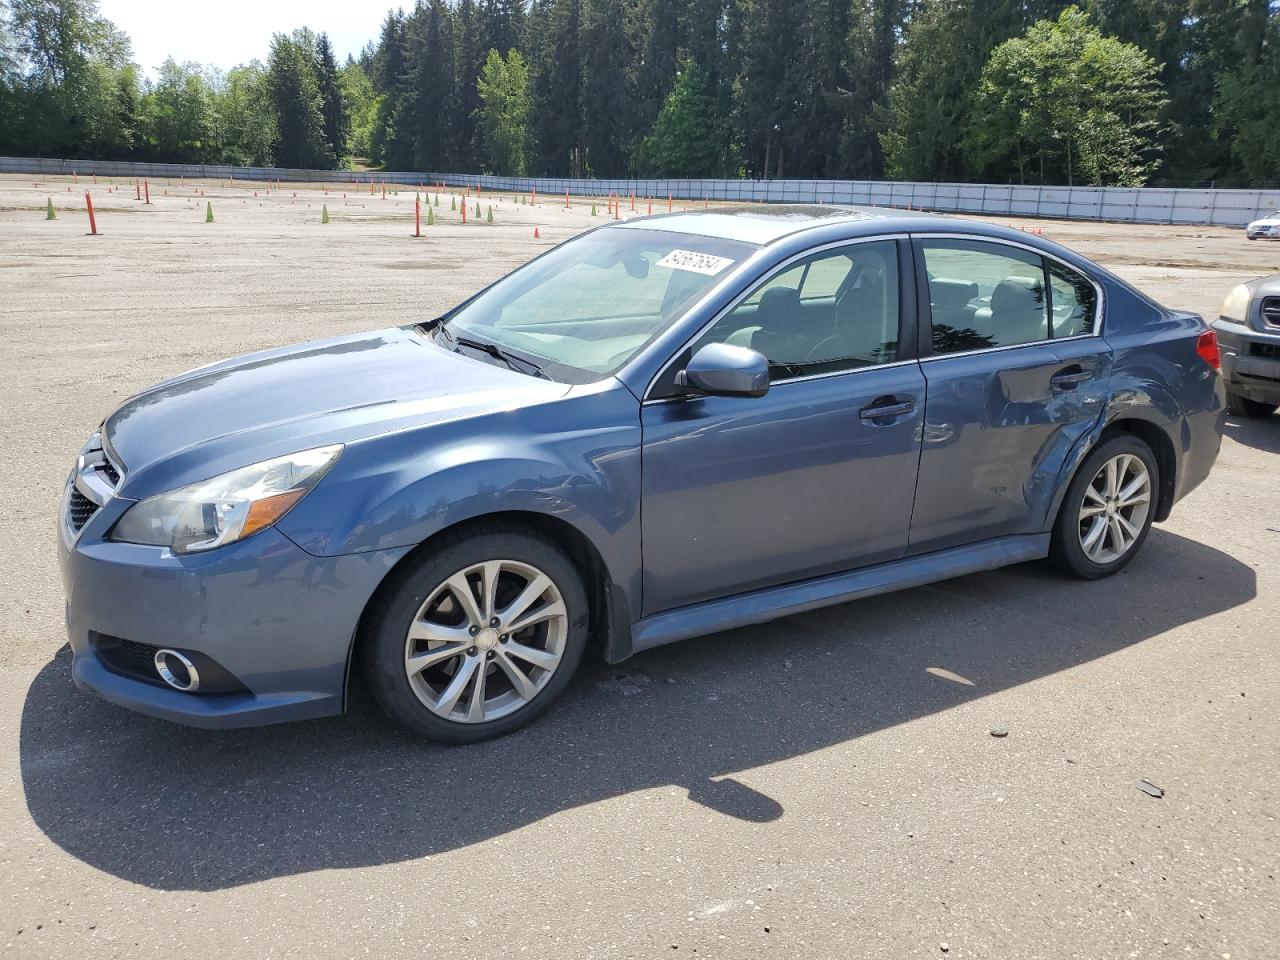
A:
236, 31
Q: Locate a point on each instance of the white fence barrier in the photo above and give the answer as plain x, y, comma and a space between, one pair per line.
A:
1228, 208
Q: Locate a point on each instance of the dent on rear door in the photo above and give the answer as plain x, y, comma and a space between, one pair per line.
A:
997, 437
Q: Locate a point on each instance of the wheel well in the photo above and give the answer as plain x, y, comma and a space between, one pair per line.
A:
1161, 446
585, 557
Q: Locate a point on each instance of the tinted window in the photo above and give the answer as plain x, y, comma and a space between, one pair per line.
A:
825, 276
787, 279
1074, 301
984, 295
840, 313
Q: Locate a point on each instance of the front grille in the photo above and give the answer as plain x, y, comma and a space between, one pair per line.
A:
93, 483
1269, 350
1271, 311
79, 509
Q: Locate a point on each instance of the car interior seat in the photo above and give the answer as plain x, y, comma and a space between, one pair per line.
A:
951, 302
786, 332
861, 323
1017, 313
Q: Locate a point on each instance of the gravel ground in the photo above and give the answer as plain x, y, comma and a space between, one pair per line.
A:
824, 786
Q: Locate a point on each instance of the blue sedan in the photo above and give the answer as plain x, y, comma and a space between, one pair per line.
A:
662, 428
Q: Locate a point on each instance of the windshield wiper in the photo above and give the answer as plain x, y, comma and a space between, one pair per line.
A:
517, 363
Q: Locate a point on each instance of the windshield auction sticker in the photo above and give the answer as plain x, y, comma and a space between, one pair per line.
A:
694, 262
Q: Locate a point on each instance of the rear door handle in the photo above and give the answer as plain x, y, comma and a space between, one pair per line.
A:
1070, 376
887, 407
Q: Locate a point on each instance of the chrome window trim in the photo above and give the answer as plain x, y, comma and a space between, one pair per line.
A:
1099, 314
737, 301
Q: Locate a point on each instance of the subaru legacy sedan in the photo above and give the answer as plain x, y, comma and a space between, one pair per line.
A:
662, 428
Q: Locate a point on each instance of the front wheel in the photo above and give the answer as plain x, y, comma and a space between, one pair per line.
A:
479, 638
1244, 407
1108, 509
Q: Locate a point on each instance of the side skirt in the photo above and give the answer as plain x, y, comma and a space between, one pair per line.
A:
773, 602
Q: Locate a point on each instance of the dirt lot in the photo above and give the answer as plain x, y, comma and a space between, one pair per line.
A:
822, 787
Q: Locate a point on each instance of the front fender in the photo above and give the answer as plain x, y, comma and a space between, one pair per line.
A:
576, 459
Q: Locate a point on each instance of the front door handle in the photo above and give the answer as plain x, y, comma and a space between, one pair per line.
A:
887, 407
1068, 377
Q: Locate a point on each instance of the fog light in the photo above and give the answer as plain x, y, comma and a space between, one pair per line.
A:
177, 670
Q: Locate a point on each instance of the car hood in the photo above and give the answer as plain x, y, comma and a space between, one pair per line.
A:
236, 412
1266, 222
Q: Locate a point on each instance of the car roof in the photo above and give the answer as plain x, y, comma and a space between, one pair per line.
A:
764, 223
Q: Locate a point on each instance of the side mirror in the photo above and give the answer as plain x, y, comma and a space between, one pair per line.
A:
723, 370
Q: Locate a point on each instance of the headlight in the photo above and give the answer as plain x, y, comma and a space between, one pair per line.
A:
1236, 306
227, 508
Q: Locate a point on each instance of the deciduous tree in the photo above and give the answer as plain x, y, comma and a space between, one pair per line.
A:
1072, 103
506, 113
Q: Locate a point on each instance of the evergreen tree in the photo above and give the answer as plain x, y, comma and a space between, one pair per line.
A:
656, 38
502, 25
1247, 111
392, 140
337, 117
688, 139
559, 91
432, 68
299, 106
862, 93
606, 106
772, 89
468, 61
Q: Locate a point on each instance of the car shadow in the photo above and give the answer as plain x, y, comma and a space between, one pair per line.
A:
180, 809
1262, 433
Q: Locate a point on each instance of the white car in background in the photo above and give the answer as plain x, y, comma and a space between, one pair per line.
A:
1268, 226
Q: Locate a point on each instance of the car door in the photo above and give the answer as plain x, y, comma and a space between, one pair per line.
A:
741, 493
1017, 372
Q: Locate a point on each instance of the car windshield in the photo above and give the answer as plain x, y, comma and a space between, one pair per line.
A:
582, 310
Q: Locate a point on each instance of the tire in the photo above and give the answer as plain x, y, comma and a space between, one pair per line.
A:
1070, 548
438, 701
1244, 407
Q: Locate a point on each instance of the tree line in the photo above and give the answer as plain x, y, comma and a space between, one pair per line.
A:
1023, 91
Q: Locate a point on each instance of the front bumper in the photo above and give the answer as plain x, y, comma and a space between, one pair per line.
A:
1250, 361
277, 619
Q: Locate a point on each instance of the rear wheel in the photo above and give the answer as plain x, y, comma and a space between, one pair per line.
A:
478, 639
1108, 509
1244, 407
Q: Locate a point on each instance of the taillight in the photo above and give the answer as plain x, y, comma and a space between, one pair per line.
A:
1207, 348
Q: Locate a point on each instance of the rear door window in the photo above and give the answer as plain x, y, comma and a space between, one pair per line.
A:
984, 295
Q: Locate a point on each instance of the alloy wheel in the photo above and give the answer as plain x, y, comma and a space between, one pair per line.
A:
1114, 510
486, 641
